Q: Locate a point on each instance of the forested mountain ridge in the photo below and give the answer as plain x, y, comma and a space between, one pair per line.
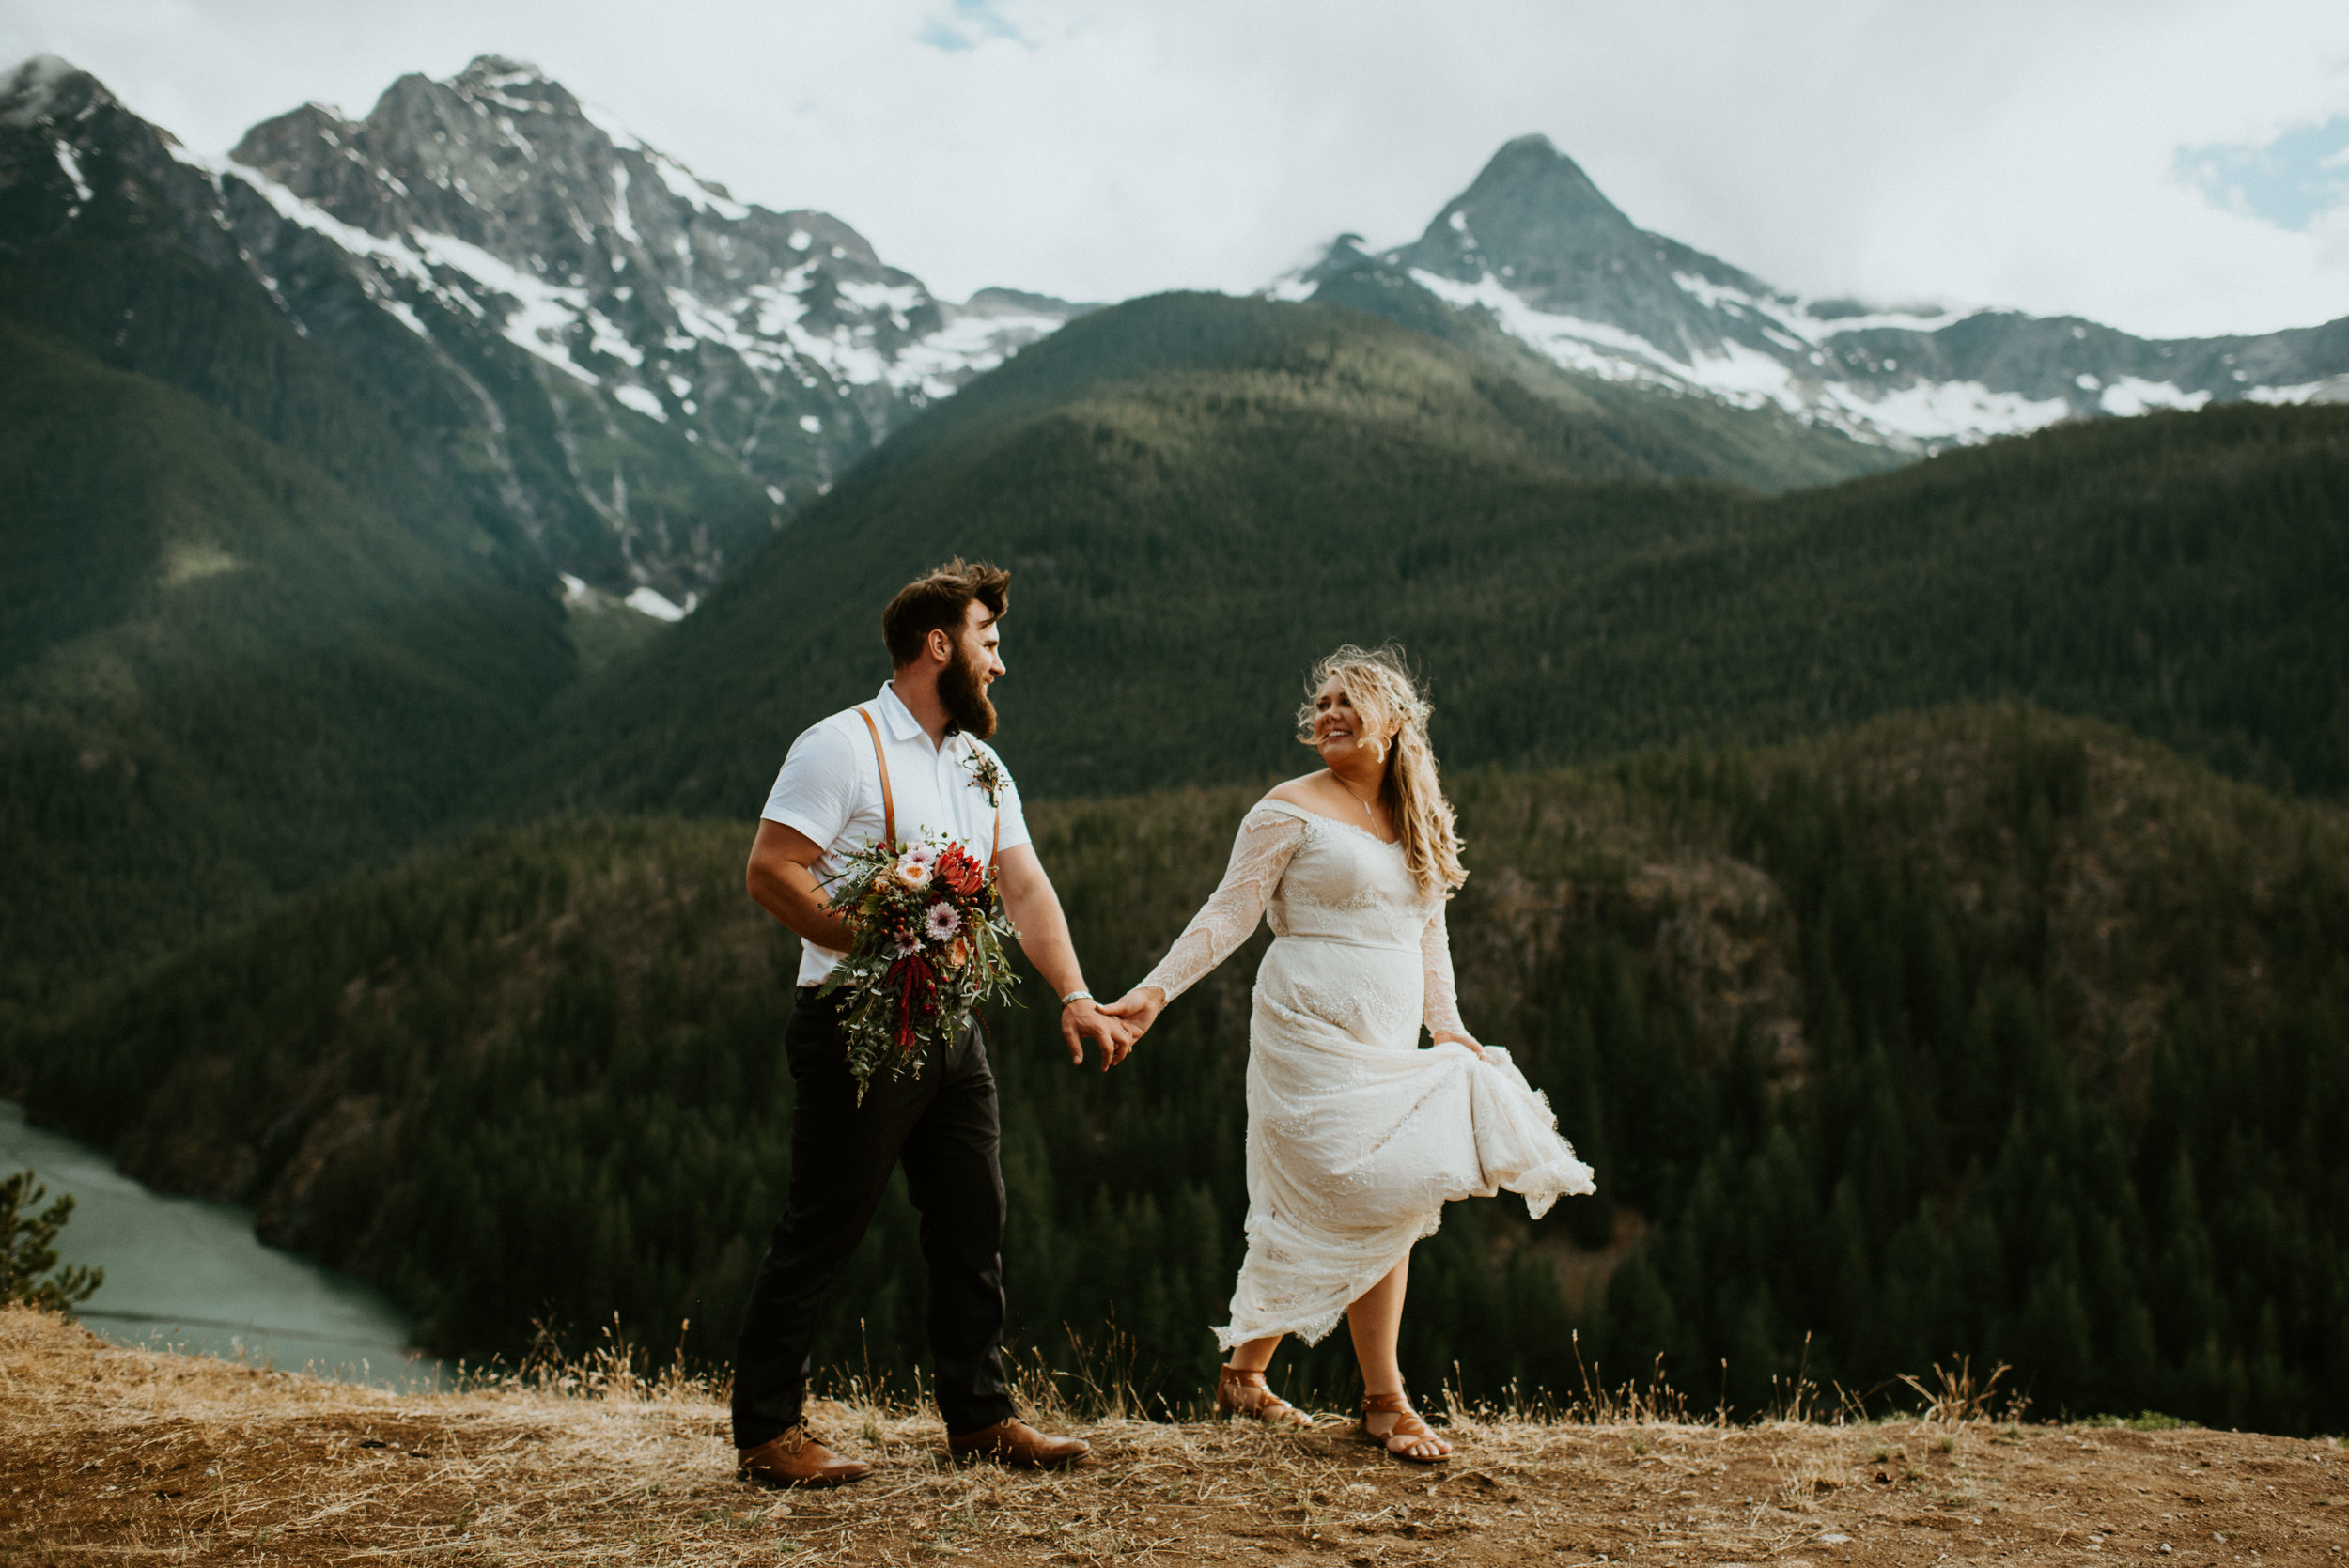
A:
1184, 482
222, 676
1284, 478
1980, 1031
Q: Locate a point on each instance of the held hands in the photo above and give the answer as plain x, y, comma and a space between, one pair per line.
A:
1139, 1008
1081, 1020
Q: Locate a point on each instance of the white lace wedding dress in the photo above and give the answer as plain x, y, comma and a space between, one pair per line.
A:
1356, 1138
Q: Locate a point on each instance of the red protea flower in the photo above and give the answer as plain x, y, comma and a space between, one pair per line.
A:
959, 871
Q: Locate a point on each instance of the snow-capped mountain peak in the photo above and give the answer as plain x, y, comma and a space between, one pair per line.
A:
624, 265
1535, 247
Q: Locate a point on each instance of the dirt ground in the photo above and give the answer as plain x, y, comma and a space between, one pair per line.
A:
114, 1455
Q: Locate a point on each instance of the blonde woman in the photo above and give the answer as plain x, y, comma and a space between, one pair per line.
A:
1356, 1138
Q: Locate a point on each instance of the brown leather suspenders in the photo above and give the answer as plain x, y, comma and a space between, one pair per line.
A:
889, 801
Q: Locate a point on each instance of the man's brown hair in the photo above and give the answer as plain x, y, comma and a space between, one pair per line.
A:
939, 601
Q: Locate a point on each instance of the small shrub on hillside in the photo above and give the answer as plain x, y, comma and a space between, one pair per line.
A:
28, 1250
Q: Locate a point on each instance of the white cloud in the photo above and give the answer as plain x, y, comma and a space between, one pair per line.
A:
2006, 152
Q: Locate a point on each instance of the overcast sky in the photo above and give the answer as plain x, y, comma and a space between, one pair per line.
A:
2169, 166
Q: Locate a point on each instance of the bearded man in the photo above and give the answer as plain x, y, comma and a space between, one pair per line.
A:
915, 755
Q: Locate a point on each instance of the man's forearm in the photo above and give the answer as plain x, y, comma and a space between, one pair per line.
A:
1044, 938
790, 892
1034, 908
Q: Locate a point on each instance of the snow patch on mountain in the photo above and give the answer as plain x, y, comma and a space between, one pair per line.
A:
2132, 395
1795, 316
652, 602
405, 313
72, 163
2331, 389
972, 342
1746, 377
540, 314
693, 191
642, 401
1926, 413
543, 313
623, 222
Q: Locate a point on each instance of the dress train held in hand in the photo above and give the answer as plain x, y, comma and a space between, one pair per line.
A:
1356, 1138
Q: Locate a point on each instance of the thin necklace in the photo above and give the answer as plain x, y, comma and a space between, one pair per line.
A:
1357, 799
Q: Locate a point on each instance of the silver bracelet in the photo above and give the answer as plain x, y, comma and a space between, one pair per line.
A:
1079, 995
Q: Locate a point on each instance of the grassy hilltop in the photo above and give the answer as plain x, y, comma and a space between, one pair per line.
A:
1982, 1031
104, 1449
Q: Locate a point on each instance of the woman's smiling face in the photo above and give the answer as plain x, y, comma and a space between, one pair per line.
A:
1339, 730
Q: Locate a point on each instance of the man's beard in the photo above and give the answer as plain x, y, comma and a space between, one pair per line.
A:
965, 696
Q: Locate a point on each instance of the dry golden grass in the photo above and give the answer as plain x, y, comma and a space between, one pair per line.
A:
108, 1455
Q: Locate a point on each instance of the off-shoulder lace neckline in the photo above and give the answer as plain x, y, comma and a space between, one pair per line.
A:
1308, 812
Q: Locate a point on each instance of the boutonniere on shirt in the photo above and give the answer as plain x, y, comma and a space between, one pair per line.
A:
985, 775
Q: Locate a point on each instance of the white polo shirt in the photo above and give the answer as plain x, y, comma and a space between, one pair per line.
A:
829, 789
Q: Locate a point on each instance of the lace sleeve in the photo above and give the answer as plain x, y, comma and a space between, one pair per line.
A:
1268, 837
1443, 993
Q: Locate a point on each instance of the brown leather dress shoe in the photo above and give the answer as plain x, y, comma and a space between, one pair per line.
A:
796, 1459
1017, 1443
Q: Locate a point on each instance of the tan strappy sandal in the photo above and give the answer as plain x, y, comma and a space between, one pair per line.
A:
1409, 1437
1239, 1393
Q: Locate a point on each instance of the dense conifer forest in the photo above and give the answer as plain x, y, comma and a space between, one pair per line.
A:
1982, 1032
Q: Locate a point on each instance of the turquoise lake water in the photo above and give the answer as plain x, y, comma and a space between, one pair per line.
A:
190, 1275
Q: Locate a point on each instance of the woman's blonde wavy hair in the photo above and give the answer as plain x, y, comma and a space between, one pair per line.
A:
1379, 685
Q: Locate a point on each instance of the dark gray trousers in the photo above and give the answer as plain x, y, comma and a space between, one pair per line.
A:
943, 1127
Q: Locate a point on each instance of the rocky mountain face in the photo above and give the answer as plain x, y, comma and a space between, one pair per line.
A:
633, 378
642, 375
1533, 248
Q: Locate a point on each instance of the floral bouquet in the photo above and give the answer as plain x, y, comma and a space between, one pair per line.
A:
928, 925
